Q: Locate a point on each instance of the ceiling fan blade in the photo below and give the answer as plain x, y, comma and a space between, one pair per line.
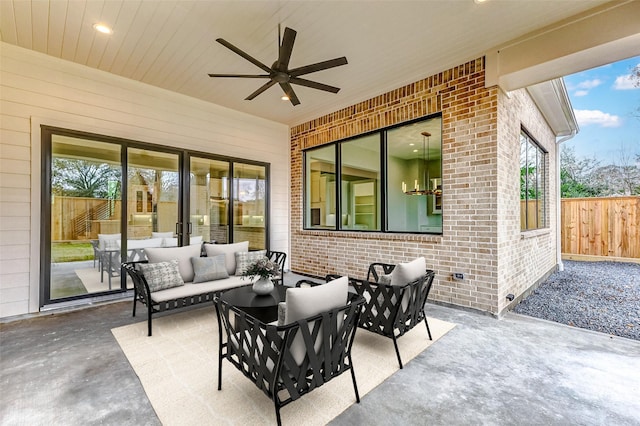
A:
243, 54
284, 54
307, 69
288, 90
260, 90
240, 75
314, 84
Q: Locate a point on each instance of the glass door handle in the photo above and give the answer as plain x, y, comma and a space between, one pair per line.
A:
190, 228
178, 228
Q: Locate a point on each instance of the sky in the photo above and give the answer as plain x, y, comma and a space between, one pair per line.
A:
607, 107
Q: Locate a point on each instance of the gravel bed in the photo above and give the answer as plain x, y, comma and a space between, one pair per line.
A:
599, 296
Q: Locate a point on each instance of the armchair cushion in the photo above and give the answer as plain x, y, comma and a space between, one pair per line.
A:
182, 254
209, 268
162, 234
244, 259
108, 241
229, 251
162, 275
302, 303
406, 272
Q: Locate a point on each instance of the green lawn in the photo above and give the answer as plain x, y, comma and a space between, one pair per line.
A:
71, 252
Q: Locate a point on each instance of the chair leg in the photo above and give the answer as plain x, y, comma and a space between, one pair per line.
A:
149, 320
278, 419
353, 378
427, 324
395, 343
219, 371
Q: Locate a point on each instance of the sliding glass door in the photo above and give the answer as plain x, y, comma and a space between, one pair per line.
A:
106, 200
85, 223
209, 200
249, 204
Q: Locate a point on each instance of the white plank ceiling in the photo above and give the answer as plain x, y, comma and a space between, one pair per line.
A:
171, 43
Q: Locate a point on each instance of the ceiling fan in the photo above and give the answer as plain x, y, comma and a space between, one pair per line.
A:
280, 73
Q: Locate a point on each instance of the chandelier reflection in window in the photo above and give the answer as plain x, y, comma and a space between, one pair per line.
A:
421, 185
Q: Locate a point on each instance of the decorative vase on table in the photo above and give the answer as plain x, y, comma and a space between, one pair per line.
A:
262, 286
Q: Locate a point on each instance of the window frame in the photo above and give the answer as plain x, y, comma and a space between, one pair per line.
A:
541, 179
383, 202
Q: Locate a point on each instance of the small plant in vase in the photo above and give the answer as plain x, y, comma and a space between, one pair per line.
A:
264, 269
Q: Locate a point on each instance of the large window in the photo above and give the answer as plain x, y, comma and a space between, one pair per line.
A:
390, 181
533, 178
320, 166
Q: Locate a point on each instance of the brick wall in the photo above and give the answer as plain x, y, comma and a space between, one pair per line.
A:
524, 257
471, 153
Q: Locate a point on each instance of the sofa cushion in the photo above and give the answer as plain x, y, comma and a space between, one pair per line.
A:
229, 251
307, 302
244, 259
190, 289
209, 268
195, 240
162, 275
182, 254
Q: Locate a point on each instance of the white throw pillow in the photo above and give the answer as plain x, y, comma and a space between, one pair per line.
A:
307, 302
404, 273
195, 240
229, 251
183, 254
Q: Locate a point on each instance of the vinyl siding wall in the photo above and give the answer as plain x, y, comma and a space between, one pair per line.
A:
39, 90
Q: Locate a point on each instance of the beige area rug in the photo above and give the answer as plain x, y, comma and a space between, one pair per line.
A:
90, 278
178, 368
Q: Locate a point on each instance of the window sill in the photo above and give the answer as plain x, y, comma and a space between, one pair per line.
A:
524, 235
434, 238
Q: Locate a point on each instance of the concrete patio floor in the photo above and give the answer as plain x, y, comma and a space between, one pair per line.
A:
66, 368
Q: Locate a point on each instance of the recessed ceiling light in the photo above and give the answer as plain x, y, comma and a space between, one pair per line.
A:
102, 28
285, 98
415, 150
479, 1
411, 144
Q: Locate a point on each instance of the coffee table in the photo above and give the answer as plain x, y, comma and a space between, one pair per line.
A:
263, 308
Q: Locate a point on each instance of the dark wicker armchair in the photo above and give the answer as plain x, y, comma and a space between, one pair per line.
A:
269, 355
279, 258
392, 310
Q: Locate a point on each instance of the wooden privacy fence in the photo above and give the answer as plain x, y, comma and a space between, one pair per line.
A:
79, 218
601, 226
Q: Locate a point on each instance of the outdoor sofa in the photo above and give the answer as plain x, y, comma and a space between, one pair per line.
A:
176, 277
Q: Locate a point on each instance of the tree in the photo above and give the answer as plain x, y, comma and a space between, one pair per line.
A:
83, 178
576, 175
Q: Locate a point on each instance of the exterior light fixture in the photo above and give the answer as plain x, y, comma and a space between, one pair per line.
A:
104, 29
284, 98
